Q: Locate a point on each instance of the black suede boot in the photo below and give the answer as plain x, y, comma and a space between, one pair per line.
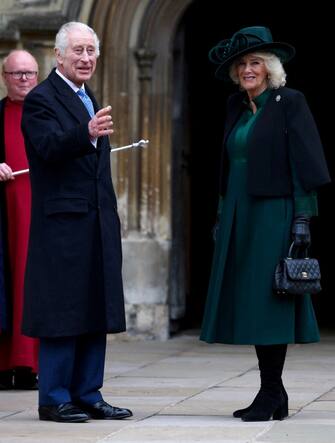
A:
239, 412
272, 399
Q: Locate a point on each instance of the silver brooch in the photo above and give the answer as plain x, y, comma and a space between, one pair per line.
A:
278, 98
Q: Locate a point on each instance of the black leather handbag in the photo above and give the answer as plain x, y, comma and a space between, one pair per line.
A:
297, 275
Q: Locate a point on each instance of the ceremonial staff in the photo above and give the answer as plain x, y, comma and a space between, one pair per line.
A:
139, 144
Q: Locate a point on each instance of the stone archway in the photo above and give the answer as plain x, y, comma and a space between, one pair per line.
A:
135, 76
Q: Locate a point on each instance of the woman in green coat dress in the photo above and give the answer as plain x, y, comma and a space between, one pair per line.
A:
272, 162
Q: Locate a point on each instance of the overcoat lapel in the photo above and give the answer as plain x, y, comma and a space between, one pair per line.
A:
264, 121
69, 99
268, 117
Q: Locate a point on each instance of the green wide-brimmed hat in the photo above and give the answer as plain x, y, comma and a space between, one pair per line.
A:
252, 39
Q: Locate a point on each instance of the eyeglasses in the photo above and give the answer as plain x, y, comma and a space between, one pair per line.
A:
17, 75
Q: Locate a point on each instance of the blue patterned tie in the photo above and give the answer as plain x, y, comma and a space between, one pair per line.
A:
87, 101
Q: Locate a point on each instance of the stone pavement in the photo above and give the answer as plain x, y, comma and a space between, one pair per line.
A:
184, 391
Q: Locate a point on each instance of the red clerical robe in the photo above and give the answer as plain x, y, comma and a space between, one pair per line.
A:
15, 348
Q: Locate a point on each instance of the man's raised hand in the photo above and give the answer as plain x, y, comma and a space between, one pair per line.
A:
101, 124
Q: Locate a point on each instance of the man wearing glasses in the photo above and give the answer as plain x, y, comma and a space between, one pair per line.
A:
18, 353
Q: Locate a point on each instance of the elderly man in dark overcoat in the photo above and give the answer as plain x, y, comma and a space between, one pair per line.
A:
73, 285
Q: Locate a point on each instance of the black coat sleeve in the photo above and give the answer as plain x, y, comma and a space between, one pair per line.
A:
304, 143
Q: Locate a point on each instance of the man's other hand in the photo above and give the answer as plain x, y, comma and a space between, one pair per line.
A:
6, 172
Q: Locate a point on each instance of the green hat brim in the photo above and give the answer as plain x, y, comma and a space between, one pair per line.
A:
283, 51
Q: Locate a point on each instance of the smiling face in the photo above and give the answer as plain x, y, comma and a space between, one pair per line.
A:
79, 60
252, 74
18, 62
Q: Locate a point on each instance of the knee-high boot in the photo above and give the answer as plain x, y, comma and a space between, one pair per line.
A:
260, 351
272, 399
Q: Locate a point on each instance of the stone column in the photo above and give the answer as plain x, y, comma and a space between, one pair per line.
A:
145, 58
145, 254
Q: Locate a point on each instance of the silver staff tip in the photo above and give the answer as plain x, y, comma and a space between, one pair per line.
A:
142, 143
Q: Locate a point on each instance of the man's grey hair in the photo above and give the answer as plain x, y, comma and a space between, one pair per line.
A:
62, 40
274, 67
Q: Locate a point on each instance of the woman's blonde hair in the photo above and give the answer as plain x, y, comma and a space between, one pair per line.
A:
274, 67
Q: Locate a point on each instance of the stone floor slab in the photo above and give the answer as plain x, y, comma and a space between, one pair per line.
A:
294, 433
188, 429
328, 396
321, 406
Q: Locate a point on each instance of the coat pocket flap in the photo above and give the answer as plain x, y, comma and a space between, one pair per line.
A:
65, 205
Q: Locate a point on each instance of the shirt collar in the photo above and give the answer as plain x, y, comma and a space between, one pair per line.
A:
69, 82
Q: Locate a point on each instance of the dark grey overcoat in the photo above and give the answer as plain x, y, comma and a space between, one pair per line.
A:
73, 282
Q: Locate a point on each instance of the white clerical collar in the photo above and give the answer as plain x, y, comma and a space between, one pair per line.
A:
70, 83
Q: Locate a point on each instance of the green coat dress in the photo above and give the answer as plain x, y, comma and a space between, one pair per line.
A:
253, 235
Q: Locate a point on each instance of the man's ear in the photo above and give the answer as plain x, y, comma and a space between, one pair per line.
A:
4, 80
59, 57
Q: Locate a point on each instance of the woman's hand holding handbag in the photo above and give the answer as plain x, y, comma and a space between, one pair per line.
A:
301, 235
294, 275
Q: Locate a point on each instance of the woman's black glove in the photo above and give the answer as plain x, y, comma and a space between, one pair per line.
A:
300, 231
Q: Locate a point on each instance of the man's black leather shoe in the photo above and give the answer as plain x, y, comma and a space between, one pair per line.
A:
103, 411
65, 412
